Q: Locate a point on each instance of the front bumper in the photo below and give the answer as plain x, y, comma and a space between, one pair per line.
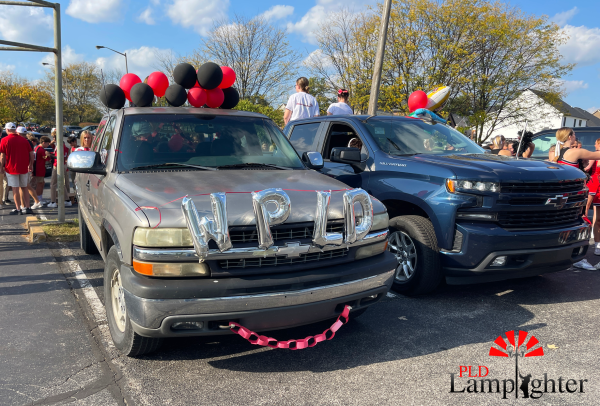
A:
528, 253
281, 301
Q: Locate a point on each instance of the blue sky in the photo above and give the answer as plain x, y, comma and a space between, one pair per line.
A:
143, 27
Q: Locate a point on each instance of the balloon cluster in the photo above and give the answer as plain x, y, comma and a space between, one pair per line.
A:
209, 86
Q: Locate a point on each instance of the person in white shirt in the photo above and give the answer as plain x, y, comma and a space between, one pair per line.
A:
341, 107
301, 104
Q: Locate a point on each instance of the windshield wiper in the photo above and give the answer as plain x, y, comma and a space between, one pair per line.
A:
255, 164
394, 144
206, 168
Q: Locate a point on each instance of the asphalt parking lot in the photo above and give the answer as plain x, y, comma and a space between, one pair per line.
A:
402, 351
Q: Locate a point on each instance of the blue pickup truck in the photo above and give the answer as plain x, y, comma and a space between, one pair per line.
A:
456, 213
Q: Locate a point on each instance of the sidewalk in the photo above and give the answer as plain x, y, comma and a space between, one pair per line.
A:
47, 353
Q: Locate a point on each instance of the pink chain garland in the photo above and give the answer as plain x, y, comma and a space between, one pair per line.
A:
307, 342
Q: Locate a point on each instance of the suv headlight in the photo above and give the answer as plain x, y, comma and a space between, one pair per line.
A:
454, 185
380, 221
162, 237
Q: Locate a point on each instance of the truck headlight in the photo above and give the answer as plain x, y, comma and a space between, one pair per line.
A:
380, 221
454, 185
171, 270
162, 237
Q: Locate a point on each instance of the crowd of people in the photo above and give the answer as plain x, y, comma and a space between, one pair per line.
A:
23, 159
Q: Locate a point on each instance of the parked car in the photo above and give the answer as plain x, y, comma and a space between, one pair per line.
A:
543, 140
200, 231
71, 129
89, 128
456, 213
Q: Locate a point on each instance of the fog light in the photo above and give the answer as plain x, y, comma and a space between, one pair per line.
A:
171, 270
187, 325
499, 261
371, 250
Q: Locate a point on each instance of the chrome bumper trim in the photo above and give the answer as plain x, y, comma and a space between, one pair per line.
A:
149, 313
189, 254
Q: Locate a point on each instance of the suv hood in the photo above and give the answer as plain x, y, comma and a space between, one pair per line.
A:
165, 189
501, 168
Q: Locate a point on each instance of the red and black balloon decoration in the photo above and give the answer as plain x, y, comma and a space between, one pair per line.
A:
210, 86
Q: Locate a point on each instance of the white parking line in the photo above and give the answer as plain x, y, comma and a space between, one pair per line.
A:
504, 293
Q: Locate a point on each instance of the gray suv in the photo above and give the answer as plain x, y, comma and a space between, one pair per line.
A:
205, 217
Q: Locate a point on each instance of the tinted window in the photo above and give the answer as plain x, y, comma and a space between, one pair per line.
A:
105, 142
588, 139
401, 137
303, 137
205, 140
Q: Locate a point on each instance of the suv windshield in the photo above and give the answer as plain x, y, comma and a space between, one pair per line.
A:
202, 140
408, 137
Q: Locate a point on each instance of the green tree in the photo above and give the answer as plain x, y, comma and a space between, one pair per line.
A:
274, 114
322, 92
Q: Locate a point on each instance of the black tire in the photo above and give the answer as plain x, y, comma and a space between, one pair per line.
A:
426, 273
126, 340
85, 238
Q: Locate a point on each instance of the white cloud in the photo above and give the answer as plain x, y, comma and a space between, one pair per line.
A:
146, 17
592, 110
278, 12
200, 15
4, 67
564, 17
309, 24
573, 85
14, 25
69, 56
95, 11
317, 56
140, 61
582, 45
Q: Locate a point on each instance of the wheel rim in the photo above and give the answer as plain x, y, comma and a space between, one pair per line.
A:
403, 248
118, 300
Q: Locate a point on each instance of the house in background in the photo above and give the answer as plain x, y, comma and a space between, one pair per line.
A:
542, 112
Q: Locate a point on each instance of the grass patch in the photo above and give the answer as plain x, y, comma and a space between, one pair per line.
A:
62, 232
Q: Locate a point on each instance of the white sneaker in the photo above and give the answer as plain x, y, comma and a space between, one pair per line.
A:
22, 207
584, 264
40, 205
597, 250
52, 205
68, 204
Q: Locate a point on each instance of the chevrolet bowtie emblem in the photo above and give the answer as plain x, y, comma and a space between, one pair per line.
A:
558, 201
293, 249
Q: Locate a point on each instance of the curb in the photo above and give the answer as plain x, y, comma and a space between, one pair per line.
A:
36, 234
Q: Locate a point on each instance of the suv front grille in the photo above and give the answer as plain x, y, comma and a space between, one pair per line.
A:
281, 260
284, 232
542, 187
539, 219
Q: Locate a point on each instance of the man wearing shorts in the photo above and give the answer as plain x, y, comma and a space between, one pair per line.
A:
16, 161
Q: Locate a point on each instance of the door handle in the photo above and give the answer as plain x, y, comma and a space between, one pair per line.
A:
87, 185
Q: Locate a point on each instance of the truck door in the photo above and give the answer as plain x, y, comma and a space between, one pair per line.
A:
339, 134
304, 137
94, 184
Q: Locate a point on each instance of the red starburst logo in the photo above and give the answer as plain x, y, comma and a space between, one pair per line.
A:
516, 348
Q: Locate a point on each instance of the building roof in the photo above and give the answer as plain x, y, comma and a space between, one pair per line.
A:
459, 121
593, 121
560, 105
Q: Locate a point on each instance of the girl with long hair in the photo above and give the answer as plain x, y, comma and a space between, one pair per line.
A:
301, 104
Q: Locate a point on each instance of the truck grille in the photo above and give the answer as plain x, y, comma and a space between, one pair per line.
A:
542, 187
540, 201
281, 260
285, 232
539, 219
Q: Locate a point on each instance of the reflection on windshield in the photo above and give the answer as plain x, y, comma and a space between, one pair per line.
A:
408, 137
202, 140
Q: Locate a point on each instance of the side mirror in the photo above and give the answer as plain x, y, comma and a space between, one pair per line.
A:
86, 162
345, 155
313, 160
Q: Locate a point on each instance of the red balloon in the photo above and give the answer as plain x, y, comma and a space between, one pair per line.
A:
197, 96
127, 82
159, 82
228, 77
417, 100
176, 142
214, 98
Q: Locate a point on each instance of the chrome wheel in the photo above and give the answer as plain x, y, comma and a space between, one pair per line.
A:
118, 300
403, 248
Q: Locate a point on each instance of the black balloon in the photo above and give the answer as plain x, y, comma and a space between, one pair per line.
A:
232, 98
176, 95
112, 96
210, 75
184, 75
142, 95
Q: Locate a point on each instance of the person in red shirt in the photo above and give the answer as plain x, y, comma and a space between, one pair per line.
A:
54, 179
16, 160
39, 170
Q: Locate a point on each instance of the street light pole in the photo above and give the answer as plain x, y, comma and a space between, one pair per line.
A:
60, 164
385, 18
120, 53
